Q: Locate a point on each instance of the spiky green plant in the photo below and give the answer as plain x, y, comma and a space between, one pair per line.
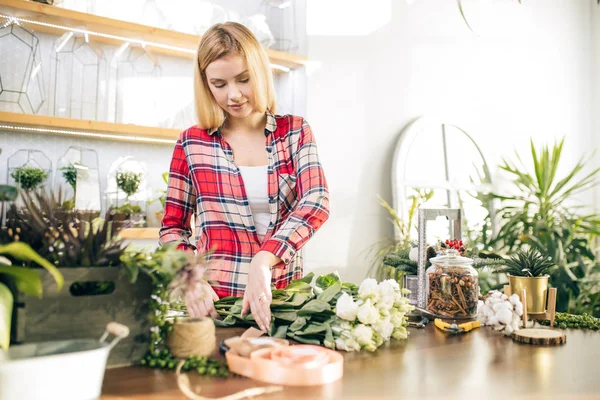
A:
544, 214
530, 263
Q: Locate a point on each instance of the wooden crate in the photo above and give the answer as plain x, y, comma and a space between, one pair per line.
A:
59, 316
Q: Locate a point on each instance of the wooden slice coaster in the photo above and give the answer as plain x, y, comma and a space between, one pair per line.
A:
546, 337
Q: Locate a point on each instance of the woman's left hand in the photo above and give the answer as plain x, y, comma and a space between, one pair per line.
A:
258, 296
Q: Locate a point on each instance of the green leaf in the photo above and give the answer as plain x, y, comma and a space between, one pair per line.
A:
285, 315
306, 279
26, 279
24, 252
279, 332
329, 294
8, 193
306, 340
324, 281
6, 305
312, 328
298, 287
314, 307
297, 300
298, 324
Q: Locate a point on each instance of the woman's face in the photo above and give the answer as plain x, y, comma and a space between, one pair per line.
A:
229, 82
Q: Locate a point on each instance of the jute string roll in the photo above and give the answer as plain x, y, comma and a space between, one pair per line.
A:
192, 337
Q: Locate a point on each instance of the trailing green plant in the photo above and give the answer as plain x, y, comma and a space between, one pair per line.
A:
26, 280
542, 215
169, 270
29, 178
566, 320
129, 182
530, 263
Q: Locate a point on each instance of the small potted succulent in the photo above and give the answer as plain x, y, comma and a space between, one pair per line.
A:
69, 174
529, 270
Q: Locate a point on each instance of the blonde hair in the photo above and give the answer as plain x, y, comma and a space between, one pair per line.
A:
219, 41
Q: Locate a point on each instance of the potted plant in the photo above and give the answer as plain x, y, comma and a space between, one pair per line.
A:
529, 270
29, 178
99, 290
129, 182
541, 211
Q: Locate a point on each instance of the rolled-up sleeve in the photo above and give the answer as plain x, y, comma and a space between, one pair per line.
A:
180, 204
312, 208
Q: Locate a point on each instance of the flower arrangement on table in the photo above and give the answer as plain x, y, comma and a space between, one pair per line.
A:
322, 310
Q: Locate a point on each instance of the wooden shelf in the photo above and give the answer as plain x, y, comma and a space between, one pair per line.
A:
139, 233
184, 44
54, 126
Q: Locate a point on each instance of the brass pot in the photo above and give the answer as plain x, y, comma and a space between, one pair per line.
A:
537, 291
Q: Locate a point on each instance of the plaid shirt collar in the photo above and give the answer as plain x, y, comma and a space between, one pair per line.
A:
270, 126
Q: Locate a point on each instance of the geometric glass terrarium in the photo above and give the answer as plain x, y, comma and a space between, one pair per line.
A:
281, 19
21, 77
137, 83
78, 73
28, 170
78, 180
126, 192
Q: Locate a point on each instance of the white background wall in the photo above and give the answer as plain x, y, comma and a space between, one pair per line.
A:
528, 74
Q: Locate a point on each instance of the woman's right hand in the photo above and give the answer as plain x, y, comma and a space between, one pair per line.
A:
200, 302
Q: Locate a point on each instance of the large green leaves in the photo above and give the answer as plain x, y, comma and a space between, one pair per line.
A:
542, 215
25, 278
6, 305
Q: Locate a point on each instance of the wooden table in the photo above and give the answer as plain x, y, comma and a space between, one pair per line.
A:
430, 364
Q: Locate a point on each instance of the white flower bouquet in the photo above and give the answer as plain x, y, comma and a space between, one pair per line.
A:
326, 312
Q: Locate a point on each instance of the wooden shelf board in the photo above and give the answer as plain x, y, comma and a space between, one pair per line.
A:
77, 20
139, 233
126, 131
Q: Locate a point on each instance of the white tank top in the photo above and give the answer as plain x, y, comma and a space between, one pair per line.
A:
256, 185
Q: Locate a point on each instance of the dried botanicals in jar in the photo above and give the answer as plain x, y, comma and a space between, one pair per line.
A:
452, 286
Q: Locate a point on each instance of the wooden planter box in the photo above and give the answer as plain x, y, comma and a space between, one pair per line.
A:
59, 316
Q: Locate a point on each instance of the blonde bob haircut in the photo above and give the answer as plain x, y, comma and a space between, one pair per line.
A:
219, 41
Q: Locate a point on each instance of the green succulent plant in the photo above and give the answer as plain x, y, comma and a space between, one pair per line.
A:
530, 263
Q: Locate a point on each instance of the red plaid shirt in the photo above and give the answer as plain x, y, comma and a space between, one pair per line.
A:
205, 181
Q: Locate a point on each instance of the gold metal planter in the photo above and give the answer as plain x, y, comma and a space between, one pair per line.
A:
537, 291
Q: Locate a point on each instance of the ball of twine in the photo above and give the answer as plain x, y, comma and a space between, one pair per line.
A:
192, 337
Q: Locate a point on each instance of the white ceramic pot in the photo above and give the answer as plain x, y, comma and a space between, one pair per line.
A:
65, 370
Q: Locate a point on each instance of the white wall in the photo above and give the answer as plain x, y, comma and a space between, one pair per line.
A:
527, 75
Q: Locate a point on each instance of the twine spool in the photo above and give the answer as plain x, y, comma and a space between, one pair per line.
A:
192, 337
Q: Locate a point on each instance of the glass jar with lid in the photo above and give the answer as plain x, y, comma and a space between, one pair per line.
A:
452, 286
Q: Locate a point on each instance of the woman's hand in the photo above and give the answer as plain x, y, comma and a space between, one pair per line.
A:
258, 296
200, 301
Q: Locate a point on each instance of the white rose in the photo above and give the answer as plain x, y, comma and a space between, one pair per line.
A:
400, 333
368, 289
368, 313
397, 318
388, 290
347, 344
363, 334
414, 254
384, 328
346, 308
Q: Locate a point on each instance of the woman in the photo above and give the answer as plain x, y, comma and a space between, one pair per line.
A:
251, 178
